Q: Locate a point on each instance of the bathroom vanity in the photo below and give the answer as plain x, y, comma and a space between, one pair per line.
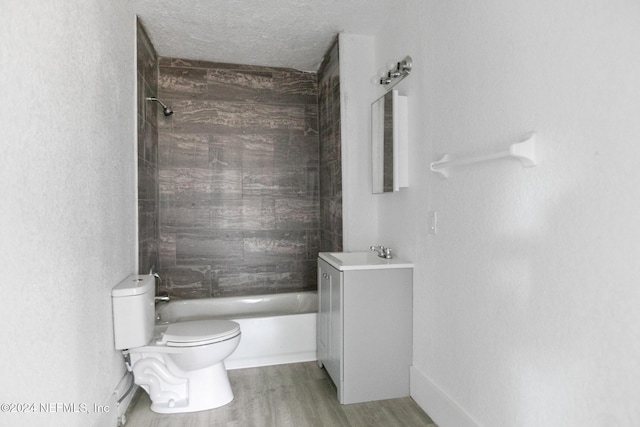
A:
365, 324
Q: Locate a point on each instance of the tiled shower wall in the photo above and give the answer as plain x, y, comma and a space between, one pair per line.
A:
239, 179
148, 200
330, 152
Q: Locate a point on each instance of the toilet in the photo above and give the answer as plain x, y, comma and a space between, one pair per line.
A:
180, 365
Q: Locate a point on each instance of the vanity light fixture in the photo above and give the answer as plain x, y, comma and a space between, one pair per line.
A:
397, 72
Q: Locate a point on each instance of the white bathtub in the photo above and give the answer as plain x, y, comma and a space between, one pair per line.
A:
276, 328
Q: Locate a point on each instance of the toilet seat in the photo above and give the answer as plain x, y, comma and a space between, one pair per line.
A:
199, 332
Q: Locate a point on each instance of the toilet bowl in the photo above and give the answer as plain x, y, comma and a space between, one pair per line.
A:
180, 365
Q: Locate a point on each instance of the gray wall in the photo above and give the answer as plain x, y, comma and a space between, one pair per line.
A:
239, 181
148, 197
330, 152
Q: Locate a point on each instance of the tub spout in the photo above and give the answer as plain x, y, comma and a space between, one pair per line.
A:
161, 298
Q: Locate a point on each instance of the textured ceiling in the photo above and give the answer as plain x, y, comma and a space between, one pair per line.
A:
279, 33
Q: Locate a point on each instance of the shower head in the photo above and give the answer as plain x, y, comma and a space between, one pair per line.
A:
166, 110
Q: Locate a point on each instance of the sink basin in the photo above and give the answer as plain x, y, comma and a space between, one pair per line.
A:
362, 261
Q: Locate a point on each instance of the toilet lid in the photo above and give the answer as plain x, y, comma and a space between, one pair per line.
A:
199, 332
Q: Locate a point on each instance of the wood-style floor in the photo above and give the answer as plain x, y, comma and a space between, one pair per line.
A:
297, 395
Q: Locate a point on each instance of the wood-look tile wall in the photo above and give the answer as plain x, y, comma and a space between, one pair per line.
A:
239, 179
330, 153
148, 197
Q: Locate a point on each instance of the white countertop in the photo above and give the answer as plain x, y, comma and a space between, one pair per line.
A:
362, 261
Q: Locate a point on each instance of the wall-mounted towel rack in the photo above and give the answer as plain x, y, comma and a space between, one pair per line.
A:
524, 151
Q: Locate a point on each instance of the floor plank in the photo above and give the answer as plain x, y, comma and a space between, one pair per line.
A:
296, 395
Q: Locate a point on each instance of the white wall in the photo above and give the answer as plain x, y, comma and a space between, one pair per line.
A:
526, 301
67, 202
359, 205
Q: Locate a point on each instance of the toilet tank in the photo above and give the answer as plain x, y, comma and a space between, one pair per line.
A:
133, 311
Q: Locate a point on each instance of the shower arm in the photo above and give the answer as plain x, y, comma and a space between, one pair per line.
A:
157, 100
167, 111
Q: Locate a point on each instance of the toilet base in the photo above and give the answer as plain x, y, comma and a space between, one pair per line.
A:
207, 388
184, 379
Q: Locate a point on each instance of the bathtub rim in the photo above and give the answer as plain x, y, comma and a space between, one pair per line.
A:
286, 344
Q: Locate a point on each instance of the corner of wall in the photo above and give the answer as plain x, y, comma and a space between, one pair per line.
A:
136, 23
440, 407
360, 212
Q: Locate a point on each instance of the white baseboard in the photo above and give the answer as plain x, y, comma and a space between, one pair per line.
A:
440, 407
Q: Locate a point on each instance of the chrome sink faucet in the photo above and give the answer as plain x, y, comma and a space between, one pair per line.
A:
382, 251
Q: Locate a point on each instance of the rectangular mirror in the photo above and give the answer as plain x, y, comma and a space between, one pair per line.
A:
388, 143
382, 143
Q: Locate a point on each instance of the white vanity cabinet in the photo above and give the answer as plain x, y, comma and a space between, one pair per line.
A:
365, 325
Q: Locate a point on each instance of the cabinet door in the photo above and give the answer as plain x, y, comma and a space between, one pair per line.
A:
329, 321
324, 310
335, 361
377, 328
